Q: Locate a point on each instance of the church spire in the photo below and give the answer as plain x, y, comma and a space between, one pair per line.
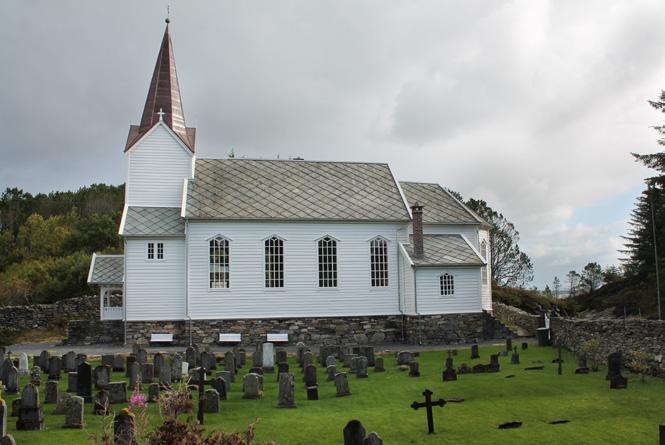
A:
163, 101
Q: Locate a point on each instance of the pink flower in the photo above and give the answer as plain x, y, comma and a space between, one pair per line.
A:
137, 400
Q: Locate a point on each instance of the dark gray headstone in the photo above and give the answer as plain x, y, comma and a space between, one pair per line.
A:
378, 365
354, 433
211, 402
101, 404
474, 351
11, 380
252, 387
342, 384
404, 357
310, 375
54, 367
51, 392
287, 397
157, 363
101, 376
414, 369
74, 413
118, 363
147, 373
282, 356
142, 356
124, 429
71, 381
219, 384
30, 416
84, 381
361, 367
330, 372
107, 359
134, 372
226, 375
191, 356
153, 392
117, 392
62, 403
69, 361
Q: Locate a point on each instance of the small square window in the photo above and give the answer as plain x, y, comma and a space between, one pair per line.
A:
151, 251
160, 251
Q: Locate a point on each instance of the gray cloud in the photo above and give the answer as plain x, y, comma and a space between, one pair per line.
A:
531, 105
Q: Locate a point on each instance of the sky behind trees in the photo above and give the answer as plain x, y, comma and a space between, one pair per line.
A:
533, 106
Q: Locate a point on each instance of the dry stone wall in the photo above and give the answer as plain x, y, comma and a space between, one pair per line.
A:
522, 322
14, 319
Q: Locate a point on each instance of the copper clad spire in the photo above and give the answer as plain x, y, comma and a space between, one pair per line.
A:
164, 97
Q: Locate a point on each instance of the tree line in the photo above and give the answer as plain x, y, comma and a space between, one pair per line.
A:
46, 240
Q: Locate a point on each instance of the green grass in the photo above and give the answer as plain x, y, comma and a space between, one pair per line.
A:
598, 415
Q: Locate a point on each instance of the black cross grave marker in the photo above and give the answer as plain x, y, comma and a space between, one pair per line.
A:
201, 382
428, 403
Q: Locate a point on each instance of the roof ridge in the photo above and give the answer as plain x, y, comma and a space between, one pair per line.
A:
300, 161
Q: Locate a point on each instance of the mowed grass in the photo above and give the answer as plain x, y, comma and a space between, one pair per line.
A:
382, 402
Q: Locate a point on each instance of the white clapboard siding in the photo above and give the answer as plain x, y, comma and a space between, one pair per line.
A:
469, 231
247, 296
155, 289
156, 167
486, 290
406, 284
467, 291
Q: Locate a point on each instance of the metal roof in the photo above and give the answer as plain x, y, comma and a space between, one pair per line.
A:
294, 190
107, 269
153, 221
439, 206
444, 250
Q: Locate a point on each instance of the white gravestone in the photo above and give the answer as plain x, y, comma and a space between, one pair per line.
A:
268, 356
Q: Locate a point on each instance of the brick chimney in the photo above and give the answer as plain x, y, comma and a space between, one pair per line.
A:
417, 213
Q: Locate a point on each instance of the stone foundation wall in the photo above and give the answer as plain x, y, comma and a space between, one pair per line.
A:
522, 322
431, 329
14, 319
88, 332
621, 335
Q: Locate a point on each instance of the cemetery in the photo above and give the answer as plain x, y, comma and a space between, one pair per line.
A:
512, 392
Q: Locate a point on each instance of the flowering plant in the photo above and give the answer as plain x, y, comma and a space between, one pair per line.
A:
137, 401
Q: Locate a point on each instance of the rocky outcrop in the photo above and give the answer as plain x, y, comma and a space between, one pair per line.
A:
519, 321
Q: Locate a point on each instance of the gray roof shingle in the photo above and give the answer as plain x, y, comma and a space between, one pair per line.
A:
439, 207
294, 190
444, 250
151, 221
107, 269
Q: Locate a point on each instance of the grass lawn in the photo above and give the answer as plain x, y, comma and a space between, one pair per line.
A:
381, 402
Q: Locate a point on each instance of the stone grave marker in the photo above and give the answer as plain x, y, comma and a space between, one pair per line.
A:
525, 346
165, 376
191, 356
134, 371
378, 364
220, 386
494, 365
310, 375
368, 353
176, 366
51, 392
153, 392
71, 381
464, 369
226, 376
287, 396
43, 360
509, 344
16, 407
515, 357
107, 359
23, 366
342, 384
36, 375
74, 413
404, 357
307, 359
251, 387
118, 363
414, 369
282, 356
331, 371
474, 351
84, 382
241, 357
268, 357
78, 359
101, 376
230, 363
428, 404
124, 428
614, 361
354, 433
282, 367
582, 367
62, 402
157, 363
101, 404
449, 374
300, 350
54, 367
257, 359
128, 362
11, 382
211, 404
141, 356
117, 392
361, 367
331, 361
147, 373
30, 415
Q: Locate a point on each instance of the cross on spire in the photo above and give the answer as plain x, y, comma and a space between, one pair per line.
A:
161, 114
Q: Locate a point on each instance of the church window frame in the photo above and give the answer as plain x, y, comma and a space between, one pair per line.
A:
219, 262
447, 284
378, 260
273, 250
483, 269
327, 254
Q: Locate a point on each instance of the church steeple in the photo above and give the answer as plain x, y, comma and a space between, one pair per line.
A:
163, 101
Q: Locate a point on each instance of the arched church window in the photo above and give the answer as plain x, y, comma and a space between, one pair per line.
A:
219, 263
447, 282
327, 262
274, 262
378, 254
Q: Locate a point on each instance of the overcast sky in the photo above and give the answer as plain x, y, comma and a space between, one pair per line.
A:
531, 105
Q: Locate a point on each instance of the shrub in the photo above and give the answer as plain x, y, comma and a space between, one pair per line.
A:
592, 348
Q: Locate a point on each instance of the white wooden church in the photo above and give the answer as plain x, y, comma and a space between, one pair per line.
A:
240, 239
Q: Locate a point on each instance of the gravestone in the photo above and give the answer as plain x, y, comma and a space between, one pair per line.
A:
191, 356
582, 367
118, 363
128, 362
226, 375
134, 372
361, 367
257, 359
515, 357
331, 361
51, 392
101, 376
378, 364
107, 359
464, 369
494, 365
414, 369
176, 366
509, 344
211, 404
71, 381
256, 370
220, 386
373, 439
147, 373
251, 387
101, 404
230, 364
54, 368
287, 397
307, 359
449, 374
62, 403
157, 363
613, 365
331, 371
342, 384
281, 367
23, 366
241, 357
354, 433
165, 376
84, 382
354, 363
117, 392
282, 356
368, 353
74, 413
347, 360
11, 382
124, 429
153, 392
30, 415
208, 361
404, 357
474, 351
36, 375
80, 358
141, 356
268, 357
43, 360
525, 346
310, 375
300, 350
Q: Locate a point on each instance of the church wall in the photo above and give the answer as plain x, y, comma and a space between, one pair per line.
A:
156, 167
155, 289
467, 291
486, 290
300, 296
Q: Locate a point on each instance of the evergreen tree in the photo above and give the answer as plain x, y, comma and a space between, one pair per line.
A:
556, 284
